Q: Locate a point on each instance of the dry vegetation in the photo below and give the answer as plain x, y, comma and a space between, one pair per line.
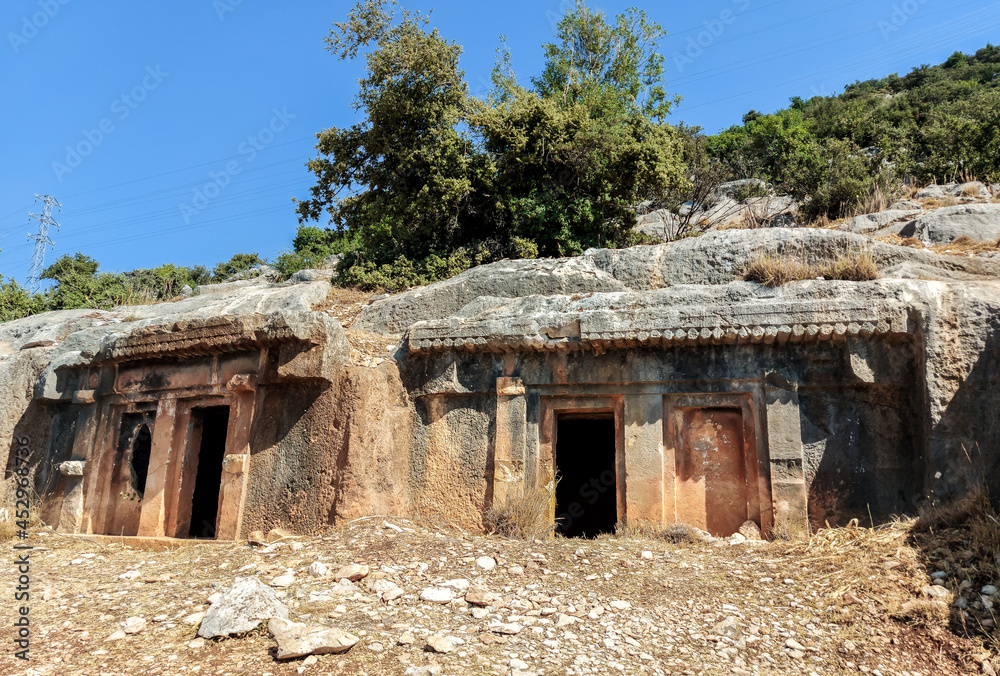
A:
345, 304
523, 514
896, 240
772, 270
965, 246
936, 203
840, 593
963, 539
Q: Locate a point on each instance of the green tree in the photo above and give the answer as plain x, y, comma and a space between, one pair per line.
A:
432, 180
407, 180
611, 69
567, 179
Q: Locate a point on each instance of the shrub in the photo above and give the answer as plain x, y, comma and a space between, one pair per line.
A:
80, 285
524, 514
679, 533
235, 265
16, 302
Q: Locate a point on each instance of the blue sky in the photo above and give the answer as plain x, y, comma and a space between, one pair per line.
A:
178, 132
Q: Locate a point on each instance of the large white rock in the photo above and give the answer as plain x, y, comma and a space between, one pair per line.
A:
242, 608
296, 639
981, 222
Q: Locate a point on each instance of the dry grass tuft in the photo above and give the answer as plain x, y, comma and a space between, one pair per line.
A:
936, 203
771, 270
775, 271
523, 515
675, 533
971, 191
923, 613
878, 199
787, 531
847, 557
964, 246
964, 535
896, 240
972, 509
679, 533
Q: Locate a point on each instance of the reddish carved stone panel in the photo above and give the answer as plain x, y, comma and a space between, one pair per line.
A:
711, 481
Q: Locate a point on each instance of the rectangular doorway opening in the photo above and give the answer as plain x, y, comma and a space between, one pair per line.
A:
214, 423
587, 491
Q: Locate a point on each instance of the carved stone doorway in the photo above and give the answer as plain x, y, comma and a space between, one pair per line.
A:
586, 494
211, 426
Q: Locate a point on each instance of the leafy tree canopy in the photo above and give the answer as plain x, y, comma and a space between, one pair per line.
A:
433, 180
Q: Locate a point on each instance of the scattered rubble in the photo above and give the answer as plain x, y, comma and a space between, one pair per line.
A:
845, 601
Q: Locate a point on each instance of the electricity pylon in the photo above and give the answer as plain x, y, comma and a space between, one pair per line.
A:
41, 240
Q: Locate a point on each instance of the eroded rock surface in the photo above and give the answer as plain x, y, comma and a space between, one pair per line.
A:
980, 222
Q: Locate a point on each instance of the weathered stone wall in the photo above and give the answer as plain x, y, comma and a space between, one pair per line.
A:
962, 423
861, 451
451, 453
859, 399
325, 453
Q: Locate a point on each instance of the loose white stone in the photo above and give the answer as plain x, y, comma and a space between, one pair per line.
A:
437, 595
440, 644
318, 569
284, 580
134, 625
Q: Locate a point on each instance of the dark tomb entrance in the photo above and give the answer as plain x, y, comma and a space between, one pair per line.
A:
141, 448
586, 494
214, 423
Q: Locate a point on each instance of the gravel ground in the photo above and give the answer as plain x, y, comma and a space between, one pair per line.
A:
630, 604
